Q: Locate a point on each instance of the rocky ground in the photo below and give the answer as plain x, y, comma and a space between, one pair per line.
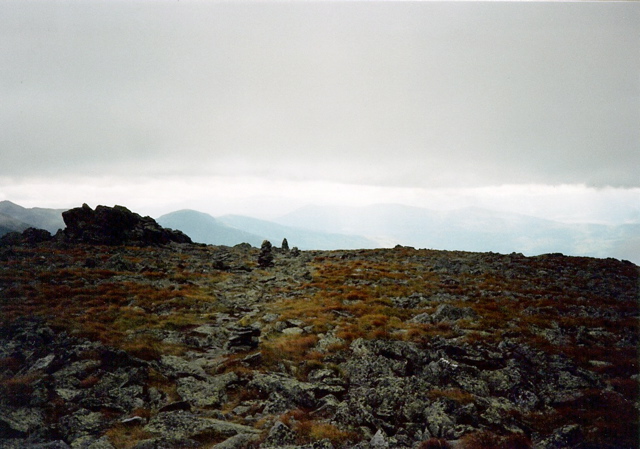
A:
182, 345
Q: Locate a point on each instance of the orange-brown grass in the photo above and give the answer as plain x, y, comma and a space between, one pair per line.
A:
454, 394
89, 381
147, 348
423, 333
485, 439
88, 303
123, 436
294, 348
434, 443
18, 388
354, 297
310, 430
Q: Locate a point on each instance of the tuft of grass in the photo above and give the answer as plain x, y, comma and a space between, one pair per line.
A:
123, 436
454, 394
292, 348
434, 443
485, 439
18, 389
89, 381
311, 431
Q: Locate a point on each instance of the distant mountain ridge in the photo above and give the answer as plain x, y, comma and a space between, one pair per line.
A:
381, 225
472, 229
17, 218
204, 228
11, 224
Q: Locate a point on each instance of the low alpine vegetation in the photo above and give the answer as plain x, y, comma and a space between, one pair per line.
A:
136, 346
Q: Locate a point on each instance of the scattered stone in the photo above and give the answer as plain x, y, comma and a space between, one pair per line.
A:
133, 421
447, 312
243, 338
291, 389
293, 331
566, 437
279, 435
208, 392
20, 422
181, 424
239, 441
168, 443
175, 367
379, 441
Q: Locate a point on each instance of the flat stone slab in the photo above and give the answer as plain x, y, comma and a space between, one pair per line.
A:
183, 424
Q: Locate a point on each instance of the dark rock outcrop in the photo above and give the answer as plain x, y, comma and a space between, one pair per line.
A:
29, 236
116, 226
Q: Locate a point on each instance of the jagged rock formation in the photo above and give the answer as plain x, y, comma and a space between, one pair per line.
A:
103, 226
116, 226
191, 346
29, 236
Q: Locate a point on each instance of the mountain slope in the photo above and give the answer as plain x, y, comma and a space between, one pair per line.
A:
10, 224
204, 228
37, 217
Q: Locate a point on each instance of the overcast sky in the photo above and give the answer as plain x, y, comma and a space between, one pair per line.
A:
228, 106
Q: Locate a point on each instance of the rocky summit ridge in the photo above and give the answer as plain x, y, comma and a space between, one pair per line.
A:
105, 225
117, 333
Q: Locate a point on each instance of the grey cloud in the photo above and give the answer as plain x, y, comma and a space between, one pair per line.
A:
424, 94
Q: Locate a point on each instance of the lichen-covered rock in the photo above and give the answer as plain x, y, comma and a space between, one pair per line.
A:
379, 441
82, 423
69, 382
239, 441
20, 422
447, 312
92, 442
210, 391
292, 390
182, 424
175, 367
167, 443
566, 437
279, 435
